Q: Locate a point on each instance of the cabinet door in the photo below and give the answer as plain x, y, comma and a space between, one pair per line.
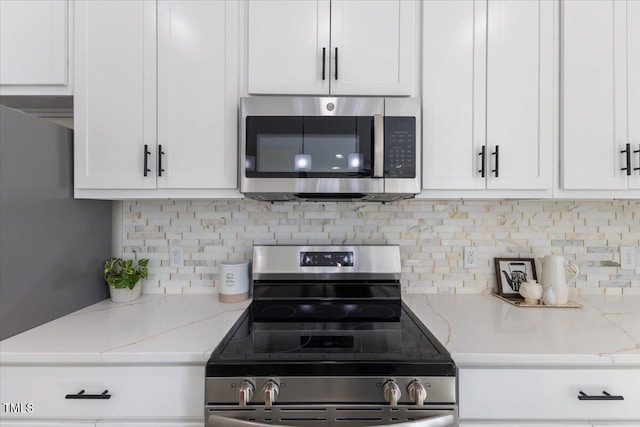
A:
594, 110
286, 44
173, 392
65, 423
197, 94
153, 424
521, 424
453, 93
115, 100
520, 51
33, 42
373, 47
548, 394
633, 88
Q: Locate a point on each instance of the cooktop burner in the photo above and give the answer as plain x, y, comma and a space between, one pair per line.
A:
402, 346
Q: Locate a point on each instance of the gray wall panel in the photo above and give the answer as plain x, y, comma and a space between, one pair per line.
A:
51, 246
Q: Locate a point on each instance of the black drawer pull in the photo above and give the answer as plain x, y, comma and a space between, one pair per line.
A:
604, 396
496, 153
81, 395
160, 154
483, 154
324, 51
627, 152
146, 169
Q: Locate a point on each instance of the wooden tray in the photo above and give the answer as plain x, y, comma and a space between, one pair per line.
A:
519, 302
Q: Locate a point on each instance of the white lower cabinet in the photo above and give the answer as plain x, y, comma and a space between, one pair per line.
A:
106, 394
549, 396
511, 423
65, 423
98, 424
520, 424
147, 424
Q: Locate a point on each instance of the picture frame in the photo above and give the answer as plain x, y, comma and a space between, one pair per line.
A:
511, 273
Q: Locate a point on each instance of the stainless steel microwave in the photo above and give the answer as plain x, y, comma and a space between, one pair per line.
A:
310, 148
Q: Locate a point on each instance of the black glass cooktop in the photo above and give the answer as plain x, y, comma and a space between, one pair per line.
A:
325, 302
399, 345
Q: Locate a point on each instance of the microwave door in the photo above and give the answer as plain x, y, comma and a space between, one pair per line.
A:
339, 147
309, 147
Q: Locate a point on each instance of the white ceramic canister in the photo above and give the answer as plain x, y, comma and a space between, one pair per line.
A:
531, 291
233, 281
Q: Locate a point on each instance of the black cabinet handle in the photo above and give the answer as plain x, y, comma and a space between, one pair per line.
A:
160, 154
146, 169
82, 395
637, 151
627, 150
603, 396
324, 51
336, 63
483, 158
496, 153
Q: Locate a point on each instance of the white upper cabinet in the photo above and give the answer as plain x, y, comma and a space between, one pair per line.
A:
288, 47
197, 94
339, 47
156, 102
34, 47
600, 95
488, 99
372, 47
115, 100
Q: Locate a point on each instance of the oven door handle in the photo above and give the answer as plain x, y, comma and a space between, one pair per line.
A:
437, 421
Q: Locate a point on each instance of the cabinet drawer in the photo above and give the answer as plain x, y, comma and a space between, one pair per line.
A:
550, 394
135, 391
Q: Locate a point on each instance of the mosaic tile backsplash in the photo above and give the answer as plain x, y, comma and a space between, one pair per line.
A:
431, 236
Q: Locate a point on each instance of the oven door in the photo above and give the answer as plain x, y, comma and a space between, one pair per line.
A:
330, 416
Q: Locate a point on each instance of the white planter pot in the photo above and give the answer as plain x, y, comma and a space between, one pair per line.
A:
125, 294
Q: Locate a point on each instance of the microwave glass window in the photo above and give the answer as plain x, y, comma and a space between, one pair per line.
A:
330, 153
281, 146
277, 153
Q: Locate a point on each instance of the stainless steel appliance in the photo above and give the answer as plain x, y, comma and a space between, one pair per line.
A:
327, 341
308, 148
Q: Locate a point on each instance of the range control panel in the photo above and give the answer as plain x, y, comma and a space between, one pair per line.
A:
326, 259
399, 147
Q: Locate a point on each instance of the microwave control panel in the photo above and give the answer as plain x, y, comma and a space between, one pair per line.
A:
399, 147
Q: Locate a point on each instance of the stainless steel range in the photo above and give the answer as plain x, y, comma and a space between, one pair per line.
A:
327, 341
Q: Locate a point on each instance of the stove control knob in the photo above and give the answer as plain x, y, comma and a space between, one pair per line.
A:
245, 393
417, 392
391, 393
270, 393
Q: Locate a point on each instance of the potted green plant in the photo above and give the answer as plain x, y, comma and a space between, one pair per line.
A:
124, 278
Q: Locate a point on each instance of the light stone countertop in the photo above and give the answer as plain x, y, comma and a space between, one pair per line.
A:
152, 329
482, 330
478, 330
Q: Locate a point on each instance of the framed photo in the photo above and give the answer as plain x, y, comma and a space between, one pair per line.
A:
511, 273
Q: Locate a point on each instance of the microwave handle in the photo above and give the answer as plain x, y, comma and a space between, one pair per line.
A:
378, 146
